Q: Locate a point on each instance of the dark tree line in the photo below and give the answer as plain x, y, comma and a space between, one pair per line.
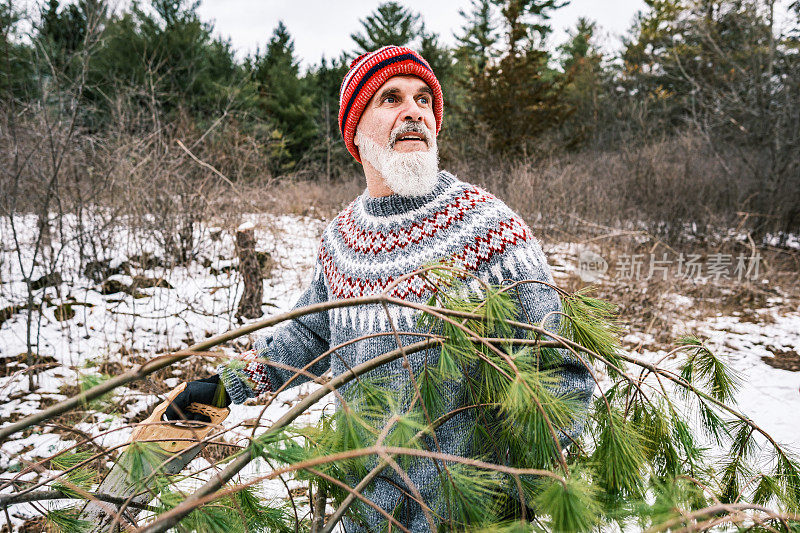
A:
722, 69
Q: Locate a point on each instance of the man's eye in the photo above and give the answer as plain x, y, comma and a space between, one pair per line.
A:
424, 99
389, 99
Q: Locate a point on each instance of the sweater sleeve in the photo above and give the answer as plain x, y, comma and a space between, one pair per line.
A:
537, 302
294, 343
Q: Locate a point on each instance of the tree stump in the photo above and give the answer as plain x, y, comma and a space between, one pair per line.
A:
250, 269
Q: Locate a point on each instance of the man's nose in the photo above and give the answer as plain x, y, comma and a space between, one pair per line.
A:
412, 111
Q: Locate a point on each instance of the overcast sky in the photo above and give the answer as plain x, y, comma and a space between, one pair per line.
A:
324, 26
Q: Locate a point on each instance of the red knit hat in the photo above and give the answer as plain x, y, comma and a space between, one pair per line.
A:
367, 73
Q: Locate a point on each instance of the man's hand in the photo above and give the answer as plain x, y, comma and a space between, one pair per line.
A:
208, 391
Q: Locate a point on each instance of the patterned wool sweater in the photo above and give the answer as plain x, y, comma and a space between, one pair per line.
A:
366, 247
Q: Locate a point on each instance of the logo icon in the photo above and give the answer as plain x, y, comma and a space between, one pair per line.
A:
591, 266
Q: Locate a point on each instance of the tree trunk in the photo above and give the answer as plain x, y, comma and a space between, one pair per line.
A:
249, 268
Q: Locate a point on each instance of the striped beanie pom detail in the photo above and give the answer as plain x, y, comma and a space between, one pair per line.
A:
366, 75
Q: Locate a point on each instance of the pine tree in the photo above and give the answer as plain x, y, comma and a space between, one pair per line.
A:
168, 53
477, 43
390, 24
16, 65
284, 97
721, 69
519, 97
324, 81
581, 62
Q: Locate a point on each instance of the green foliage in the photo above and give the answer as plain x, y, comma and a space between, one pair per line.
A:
656, 438
735, 468
585, 92
430, 382
92, 380
68, 460
166, 50
671, 498
143, 461
352, 431
707, 370
469, 494
712, 423
65, 520
77, 482
281, 446
323, 82
390, 24
284, 96
787, 475
591, 322
16, 72
244, 511
619, 459
530, 414
478, 39
520, 97
571, 505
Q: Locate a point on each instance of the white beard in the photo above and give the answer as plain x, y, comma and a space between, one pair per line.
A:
405, 173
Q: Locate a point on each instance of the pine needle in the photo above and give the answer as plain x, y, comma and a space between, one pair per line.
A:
88, 381
571, 506
787, 473
243, 511
592, 323
619, 458
140, 460
68, 460
403, 434
672, 498
81, 478
470, 493
706, 369
65, 521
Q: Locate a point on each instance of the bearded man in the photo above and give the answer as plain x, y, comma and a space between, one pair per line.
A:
410, 215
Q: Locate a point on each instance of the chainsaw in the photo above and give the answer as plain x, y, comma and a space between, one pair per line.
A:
174, 443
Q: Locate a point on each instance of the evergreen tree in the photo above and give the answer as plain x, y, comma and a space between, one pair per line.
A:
284, 97
477, 46
166, 57
64, 31
477, 43
16, 64
520, 97
391, 23
442, 61
581, 61
324, 80
720, 68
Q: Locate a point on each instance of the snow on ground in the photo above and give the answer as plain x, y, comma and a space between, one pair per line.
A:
770, 396
108, 329
112, 328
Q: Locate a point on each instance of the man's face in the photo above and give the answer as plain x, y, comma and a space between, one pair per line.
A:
398, 100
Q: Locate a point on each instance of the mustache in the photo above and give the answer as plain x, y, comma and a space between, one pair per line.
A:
410, 126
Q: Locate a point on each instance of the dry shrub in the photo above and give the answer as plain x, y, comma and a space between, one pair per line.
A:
673, 188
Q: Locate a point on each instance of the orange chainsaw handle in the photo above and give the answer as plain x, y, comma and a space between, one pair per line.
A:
175, 437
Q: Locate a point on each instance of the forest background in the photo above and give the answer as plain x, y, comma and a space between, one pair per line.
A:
692, 123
